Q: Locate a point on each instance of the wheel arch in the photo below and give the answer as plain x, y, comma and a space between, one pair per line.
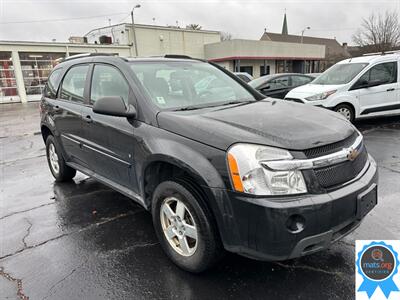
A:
46, 131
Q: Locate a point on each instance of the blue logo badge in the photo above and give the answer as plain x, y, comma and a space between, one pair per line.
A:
377, 263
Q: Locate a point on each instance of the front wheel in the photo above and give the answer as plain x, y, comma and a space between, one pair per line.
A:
346, 111
57, 165
185, 227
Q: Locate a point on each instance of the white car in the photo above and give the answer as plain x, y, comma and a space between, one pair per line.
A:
358, 87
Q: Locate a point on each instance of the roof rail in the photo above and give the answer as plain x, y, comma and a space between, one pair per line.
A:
382, 53
87, 55
177, 56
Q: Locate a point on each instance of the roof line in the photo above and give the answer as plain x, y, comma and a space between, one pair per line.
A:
264, 57
154, 26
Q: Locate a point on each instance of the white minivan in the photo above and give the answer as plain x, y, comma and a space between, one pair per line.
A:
358, 87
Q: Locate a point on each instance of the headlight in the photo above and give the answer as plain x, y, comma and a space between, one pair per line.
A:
249, 176
321, 96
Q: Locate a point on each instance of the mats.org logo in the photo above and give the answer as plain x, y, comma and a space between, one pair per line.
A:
377, 270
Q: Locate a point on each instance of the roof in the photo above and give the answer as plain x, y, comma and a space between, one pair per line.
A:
372, 58
332, 45
174, 28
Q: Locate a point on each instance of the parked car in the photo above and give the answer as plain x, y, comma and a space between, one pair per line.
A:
278, 85
218, 169
246, 77
359, 87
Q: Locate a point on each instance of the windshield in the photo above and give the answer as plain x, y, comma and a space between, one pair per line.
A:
340, 73
259, 81
179, 84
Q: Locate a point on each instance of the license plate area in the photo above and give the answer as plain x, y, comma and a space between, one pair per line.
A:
366, 201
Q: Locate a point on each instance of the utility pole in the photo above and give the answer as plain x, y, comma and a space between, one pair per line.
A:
133, 29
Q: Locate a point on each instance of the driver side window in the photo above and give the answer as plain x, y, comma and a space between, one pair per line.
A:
279, 83
385, 72
108, 81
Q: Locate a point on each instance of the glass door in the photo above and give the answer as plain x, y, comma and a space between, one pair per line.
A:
8, 84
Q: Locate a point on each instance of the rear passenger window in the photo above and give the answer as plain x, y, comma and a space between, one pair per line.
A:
108, 81
51, 88
73, 85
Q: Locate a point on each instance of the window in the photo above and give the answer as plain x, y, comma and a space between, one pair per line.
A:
175, 85
340, 73
300, 80
264, 72
246, 69
73, 84
279, 83
108, 81
386, 72
52, 84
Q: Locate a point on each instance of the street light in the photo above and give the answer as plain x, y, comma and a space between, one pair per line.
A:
302, 33
133, 28
301, 41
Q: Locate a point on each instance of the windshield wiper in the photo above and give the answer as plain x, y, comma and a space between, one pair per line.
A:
193, 107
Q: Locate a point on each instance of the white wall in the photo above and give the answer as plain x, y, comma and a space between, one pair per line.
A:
159, 40
263, 49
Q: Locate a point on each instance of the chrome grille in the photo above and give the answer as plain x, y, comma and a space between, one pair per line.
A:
334, 175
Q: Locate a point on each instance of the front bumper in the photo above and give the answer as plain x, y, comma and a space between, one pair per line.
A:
258, 227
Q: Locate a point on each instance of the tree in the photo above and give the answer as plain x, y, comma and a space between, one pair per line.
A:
379, 33
193, 27
226, 36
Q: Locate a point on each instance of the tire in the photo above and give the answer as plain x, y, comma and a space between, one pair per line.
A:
346, 111
61, 172
201, 253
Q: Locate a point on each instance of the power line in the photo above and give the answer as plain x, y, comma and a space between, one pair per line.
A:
61, 20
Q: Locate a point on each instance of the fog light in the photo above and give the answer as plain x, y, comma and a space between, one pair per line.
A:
295, 223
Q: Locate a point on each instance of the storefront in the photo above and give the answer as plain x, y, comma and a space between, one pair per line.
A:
25, 66
8, 84
260, 58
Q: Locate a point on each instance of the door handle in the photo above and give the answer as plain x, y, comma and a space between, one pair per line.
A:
88, 119
390, 90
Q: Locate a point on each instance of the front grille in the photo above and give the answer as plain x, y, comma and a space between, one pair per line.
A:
331, 176
295, 100
331, 148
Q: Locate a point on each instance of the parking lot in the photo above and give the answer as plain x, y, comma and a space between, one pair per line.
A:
82, 240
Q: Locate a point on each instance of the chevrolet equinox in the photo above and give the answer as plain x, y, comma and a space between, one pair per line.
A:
218, 165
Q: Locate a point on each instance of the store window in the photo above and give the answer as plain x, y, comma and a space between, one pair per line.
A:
8, 84
36, 68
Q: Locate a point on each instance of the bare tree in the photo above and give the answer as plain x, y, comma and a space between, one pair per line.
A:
379, 32
193, 27
226, 36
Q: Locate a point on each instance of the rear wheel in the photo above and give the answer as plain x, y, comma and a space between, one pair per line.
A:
346, 111
60, 171
185, 227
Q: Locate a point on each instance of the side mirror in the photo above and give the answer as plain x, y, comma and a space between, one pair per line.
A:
113, 106
266, 87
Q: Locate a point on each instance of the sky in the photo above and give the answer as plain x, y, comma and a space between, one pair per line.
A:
45, 20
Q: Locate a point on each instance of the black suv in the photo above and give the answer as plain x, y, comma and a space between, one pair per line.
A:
218, 165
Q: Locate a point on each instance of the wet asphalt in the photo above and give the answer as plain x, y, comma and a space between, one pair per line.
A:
82, 240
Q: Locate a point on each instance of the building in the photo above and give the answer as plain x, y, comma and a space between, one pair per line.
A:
265, 57
334, 51
25, 66
157, 40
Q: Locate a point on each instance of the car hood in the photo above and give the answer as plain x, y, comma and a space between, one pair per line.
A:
270, 122
312, 89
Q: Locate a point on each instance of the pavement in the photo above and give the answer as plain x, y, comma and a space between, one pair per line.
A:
82, 240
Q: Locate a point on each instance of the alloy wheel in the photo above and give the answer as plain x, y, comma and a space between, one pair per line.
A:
179, 226
344, 112
53, 157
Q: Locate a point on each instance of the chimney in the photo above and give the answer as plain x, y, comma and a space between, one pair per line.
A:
344, 46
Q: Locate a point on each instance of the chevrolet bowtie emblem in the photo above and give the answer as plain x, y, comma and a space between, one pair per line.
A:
352, 155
